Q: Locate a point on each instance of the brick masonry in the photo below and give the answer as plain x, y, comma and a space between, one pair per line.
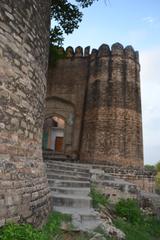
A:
104, 90
24, 192
66, 95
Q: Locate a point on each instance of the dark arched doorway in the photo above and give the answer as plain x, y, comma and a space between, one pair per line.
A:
53, 134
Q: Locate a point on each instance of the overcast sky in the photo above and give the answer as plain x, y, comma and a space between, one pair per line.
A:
136, 23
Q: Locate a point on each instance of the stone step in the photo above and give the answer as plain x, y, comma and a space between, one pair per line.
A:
106, 177
70, 164
71, 201
85, 219
66, 167
60, 171
71, 190
116, 181
84, 165
66, 177
113, 169
119, 184
50, 151
68, 183
85, 225
86, 214
49, 157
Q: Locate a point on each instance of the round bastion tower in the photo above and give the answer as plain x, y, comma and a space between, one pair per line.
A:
112, 131
24, 35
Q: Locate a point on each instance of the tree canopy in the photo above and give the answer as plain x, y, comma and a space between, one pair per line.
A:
67, 17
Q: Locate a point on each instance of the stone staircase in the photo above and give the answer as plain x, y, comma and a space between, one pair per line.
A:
70, 188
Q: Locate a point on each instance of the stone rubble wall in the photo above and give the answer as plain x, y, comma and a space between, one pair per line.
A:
145, 182
143, 179
24, 192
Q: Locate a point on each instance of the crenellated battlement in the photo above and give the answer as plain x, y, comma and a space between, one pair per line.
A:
117, 49
78, 52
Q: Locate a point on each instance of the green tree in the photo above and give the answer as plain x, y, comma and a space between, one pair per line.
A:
158, 166
128, 209
149, 167
66, 17
157, 178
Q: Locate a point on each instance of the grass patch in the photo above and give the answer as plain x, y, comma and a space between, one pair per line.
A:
98, 199
148, 229
25, 231
135, 224
52, 228
129, 209
21, 232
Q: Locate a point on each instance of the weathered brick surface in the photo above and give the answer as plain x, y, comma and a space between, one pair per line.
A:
112, 132
65, 96
24, 192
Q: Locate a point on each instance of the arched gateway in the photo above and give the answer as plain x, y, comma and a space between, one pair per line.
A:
53, 134
58, 128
